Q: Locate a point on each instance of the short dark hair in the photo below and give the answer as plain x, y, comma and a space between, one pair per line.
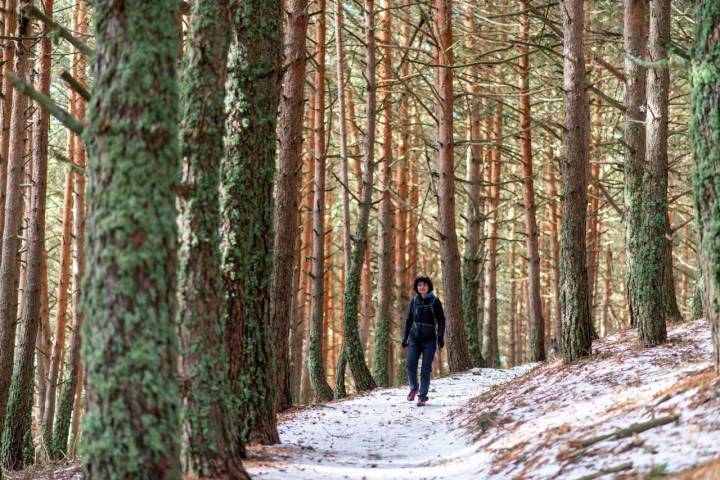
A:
423, 279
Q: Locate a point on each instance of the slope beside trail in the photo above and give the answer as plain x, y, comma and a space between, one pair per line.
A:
659, 408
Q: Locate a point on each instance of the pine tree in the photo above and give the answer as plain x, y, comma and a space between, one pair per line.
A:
705, 130
131, 427
577, 331
458, 357
286, 200
254, 73
208, 420
17, 436
10, 264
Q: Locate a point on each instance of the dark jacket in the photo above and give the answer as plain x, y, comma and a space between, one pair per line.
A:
428, 313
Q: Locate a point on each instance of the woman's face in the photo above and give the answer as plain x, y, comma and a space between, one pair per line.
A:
423, 288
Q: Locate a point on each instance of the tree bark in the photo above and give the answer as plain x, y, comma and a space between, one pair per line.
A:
208, 425
286, 199
9, 265
458, 357
381, 362
554, 245
130, 351
318, 379
473, 254
705, 131
10, 26
650, 243
254, 74
62, 299
73, 365
17, 434
536, 323
352, 345
491, 350
577, 330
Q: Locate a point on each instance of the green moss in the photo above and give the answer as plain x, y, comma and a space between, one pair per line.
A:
705, 131
131, 427
247, 210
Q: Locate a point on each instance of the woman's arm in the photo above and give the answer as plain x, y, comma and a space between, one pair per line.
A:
408, 322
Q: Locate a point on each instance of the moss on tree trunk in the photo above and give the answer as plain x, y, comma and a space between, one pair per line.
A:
254, 72
131, 427
705, 130
208, 418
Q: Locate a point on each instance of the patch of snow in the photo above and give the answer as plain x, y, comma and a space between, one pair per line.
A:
524, 422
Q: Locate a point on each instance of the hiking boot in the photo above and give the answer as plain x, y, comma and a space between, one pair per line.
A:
421, 402
411, 395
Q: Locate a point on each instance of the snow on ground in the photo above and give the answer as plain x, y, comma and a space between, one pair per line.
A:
533, 426
380, 435
529, 425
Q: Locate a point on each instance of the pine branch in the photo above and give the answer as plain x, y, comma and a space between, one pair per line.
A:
75, 84
46, 103
34, 12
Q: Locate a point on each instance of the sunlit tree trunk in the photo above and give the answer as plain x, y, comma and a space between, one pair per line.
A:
458, 357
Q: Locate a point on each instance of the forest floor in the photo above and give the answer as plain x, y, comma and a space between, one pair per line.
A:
624, 412
659, 409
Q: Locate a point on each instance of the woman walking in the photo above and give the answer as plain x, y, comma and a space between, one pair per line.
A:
424, 333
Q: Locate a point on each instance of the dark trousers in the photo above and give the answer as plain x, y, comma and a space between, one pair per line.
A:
427, 349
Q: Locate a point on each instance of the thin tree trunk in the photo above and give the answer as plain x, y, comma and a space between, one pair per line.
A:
352, 346
62, 299
17, 434
342, 127
577, 329
473, 254
458, 357
554, 244
285, 220
131, 338
10, 26
318, 378
381, 352
9, 265
649, 287
73, 365
536, 323
491, 349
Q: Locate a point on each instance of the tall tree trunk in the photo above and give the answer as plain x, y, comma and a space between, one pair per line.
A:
402, 213
352, 345
705, 130
62, 299
554, 245
536, 323
458, 357
73, 365
207, 424
254, 74
286, 199
473, 254
650, 213
17, 435
318, 379
10, 26
381, 352
9, 265
130, 352
491, 350
577, 329
342, 127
